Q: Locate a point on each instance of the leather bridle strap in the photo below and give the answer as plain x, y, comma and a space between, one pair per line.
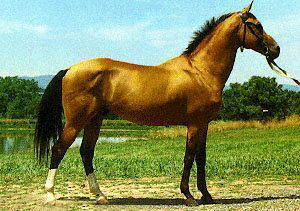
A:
244, 36
249, 25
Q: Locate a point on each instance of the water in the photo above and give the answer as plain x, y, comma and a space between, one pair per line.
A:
112, 140
16, 142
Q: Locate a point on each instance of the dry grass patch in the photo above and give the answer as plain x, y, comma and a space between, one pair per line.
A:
173, 132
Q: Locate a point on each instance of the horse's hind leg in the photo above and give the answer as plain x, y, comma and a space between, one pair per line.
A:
90, 137
58, 151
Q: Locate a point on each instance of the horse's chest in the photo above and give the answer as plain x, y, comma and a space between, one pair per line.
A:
206, 105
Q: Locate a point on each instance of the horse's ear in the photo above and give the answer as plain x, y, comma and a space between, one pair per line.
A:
247, 9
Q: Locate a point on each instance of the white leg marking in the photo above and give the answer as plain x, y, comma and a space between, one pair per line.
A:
94, 188
49, 185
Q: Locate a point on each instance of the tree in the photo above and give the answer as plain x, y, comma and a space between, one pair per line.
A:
294, 102
19, 98
248, 100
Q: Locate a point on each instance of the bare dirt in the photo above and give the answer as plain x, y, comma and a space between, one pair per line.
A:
156, 194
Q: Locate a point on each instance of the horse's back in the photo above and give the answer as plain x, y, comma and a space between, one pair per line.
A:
105, 72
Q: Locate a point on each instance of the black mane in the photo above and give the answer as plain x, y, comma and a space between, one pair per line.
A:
205, 30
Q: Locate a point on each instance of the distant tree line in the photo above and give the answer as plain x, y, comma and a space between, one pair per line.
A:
19, 98
257, 99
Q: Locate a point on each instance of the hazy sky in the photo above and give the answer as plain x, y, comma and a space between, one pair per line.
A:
42, 37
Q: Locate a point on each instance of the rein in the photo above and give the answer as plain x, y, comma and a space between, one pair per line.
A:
271, 63
281, 71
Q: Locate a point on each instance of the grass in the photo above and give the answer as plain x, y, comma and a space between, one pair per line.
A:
217, 126
231, 154
247, 168
30, 123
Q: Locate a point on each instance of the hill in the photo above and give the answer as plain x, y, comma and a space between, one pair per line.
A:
42, 80
291, 87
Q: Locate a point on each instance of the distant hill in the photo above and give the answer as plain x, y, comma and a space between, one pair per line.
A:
43, 81
289, 87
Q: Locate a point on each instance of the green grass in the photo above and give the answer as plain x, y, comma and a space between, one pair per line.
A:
231, 154
255, 153
107, 124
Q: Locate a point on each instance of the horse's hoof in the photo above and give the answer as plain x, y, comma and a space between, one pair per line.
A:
101, 200
50, 198
50, 201
190, 202
207, 200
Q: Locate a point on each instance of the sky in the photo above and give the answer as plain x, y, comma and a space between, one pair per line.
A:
39, 37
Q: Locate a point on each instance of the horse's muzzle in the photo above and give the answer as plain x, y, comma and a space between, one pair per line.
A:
272, 52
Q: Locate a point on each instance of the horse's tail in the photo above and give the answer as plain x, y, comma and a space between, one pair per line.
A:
49, 125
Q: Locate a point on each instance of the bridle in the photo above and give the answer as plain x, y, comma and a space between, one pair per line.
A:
259, 38
261, 42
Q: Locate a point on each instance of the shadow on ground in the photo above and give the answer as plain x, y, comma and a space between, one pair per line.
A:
249, 200
177, 201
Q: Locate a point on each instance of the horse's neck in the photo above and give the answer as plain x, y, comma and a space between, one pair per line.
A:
216, 55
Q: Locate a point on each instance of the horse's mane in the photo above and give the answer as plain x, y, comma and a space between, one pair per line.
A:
205, 30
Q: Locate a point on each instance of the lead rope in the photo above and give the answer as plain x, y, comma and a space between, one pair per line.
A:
281, 71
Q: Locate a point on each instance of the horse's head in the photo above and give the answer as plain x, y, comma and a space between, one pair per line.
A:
252, 36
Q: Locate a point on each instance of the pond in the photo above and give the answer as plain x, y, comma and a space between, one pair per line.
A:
23, 140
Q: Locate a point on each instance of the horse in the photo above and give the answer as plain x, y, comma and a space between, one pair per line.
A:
185, 90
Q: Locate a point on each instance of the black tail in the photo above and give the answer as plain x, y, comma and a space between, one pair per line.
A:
49, 126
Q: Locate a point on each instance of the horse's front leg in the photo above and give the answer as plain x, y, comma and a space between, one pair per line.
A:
201, 161
191, 147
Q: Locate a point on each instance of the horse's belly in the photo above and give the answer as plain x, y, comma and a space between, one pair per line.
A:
153, 120
164, 115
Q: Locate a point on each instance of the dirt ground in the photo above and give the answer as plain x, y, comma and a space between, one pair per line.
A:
156, 194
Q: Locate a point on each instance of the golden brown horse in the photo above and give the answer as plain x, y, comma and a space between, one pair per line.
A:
185, 90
